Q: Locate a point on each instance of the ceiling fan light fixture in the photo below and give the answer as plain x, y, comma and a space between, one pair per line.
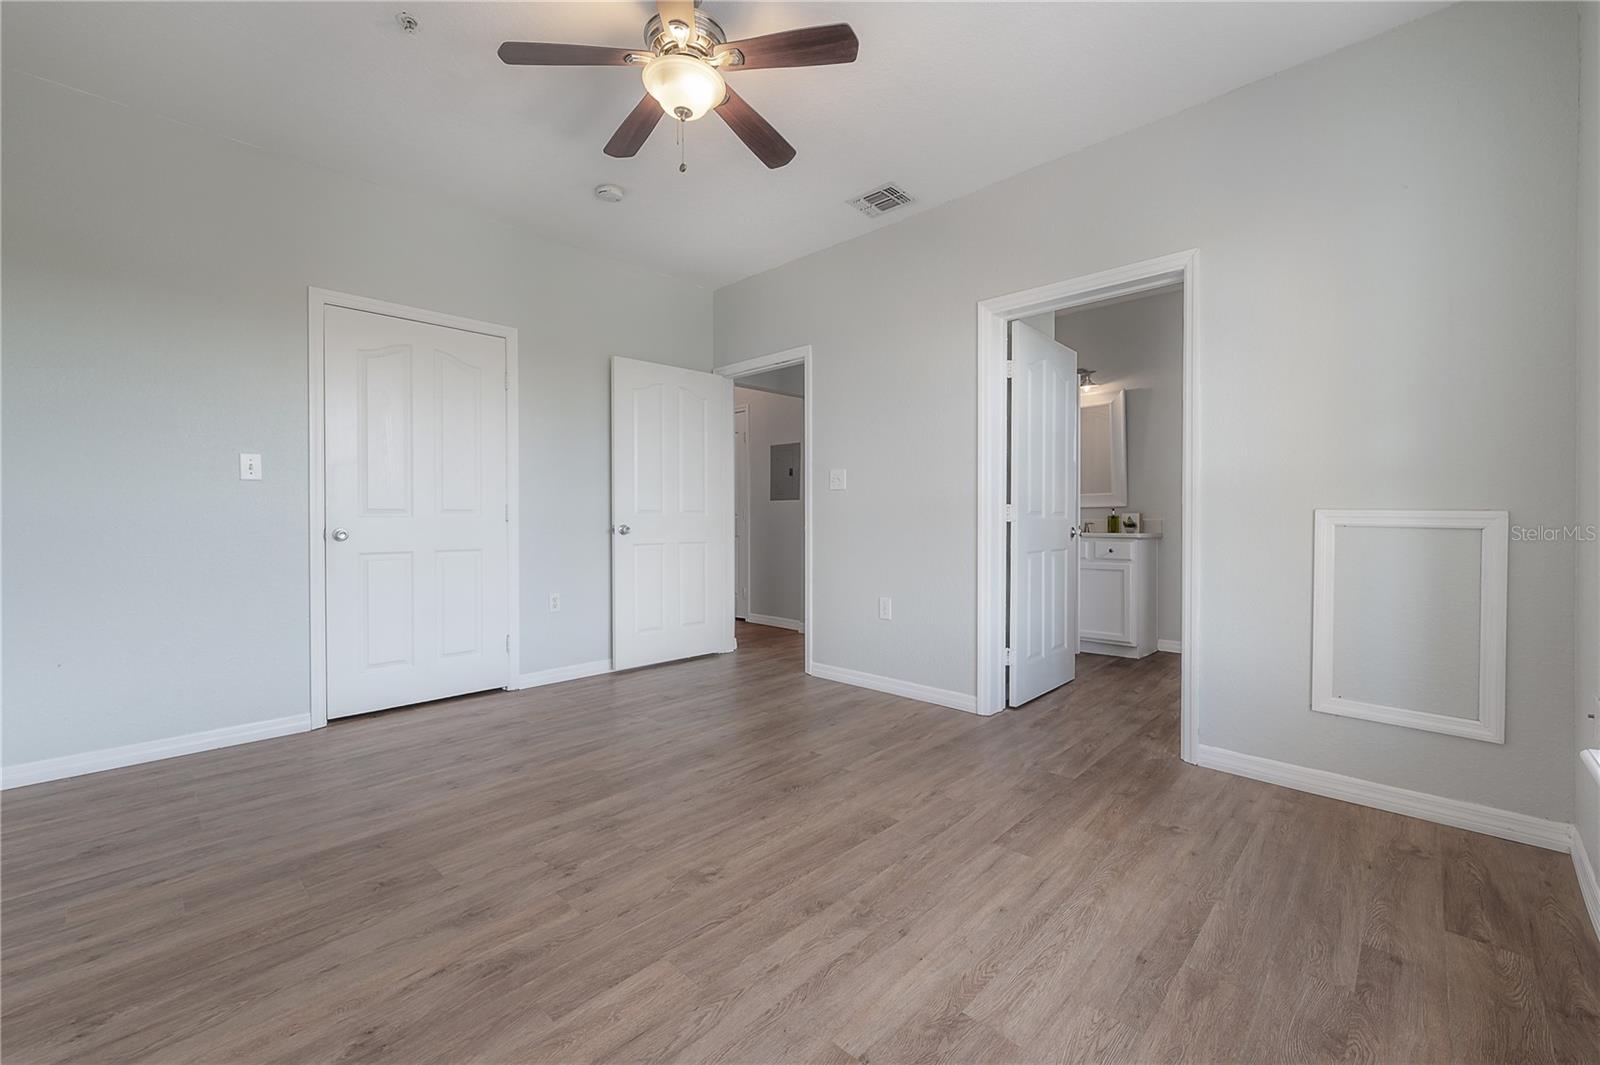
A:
686, 87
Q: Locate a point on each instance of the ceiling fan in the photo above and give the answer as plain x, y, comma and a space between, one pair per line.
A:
684, 61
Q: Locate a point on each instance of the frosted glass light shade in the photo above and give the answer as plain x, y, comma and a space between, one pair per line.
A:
682, 81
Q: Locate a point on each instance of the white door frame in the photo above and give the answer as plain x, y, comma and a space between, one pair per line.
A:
318, 300
741, 532
760, 364
994, 315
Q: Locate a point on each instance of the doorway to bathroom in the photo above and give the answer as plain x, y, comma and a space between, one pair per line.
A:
1086, 473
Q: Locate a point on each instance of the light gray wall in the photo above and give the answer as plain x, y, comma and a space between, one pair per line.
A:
1138, 346
777, 527
1588, 622
1379, 231
155, 326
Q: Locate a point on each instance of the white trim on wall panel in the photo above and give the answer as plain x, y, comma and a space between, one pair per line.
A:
74, 765
1494, 534
760, 364
318, 300
906, 689
1122, 282
1457, 813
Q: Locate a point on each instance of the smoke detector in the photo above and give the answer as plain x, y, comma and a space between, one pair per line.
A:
608, 193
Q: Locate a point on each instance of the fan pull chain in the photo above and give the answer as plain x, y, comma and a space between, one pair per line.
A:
683, 167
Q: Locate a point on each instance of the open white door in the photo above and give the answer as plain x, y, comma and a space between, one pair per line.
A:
671, 512
1044, 515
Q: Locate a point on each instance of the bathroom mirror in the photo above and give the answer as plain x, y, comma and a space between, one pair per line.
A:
1102, 449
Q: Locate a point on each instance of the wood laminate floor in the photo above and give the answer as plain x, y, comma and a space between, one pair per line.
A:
727, 860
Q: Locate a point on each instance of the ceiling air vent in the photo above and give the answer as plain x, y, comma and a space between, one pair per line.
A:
881, 200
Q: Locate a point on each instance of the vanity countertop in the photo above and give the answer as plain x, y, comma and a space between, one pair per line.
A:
1120, 536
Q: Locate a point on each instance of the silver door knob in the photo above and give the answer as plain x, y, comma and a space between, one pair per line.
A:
341, 535
623, 530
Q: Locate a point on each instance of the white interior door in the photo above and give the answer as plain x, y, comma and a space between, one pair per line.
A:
1044, 526
418, 554
672, 556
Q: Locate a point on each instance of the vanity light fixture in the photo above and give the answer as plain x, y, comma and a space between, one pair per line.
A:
1085, 380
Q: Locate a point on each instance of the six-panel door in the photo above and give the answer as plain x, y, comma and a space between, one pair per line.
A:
1044, 494
418, 603
672, 557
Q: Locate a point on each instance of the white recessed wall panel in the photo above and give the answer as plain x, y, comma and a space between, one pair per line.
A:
1406, 631
1409, 619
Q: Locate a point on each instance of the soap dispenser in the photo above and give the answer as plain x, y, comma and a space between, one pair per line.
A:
1113, 522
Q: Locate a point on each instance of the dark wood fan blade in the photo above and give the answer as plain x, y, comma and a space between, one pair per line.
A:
635, 129
539, 54
814, 46
756, 132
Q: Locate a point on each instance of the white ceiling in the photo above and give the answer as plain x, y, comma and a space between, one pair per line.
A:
945, 99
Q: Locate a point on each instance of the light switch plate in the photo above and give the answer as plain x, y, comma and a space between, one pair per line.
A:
836, 480
249, 467
885, 608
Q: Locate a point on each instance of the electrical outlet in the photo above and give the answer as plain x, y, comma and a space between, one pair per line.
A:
835, 480
555, 602
249, 467
885, 608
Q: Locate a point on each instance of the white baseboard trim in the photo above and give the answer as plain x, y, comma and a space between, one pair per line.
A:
776, 622
1171, 646
1457, 813
75, 765
904, 688
561, 673
1587, 881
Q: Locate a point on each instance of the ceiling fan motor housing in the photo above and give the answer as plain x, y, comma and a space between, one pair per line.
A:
704, 36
